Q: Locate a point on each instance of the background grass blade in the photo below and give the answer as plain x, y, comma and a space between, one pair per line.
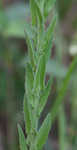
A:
62, 92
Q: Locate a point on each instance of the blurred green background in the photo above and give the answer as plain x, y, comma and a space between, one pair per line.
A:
13, 56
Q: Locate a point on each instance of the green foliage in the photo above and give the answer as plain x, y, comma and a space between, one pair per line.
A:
62, 90
44, 95
29, 79
46, 42
43, 132
22, 139
36, 92
30, 47
37, 75
32, 6
62, 129
51, 28
42, 72
27, 115
48, 5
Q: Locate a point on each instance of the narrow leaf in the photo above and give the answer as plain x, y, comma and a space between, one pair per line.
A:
27, 115
36, 12
42, 72
44, 96
47, 49
33, 14
30, 49
37, 75
46, 42
62, 128
29, 83
48, 5
22, 139
39, 13
42, 134
29, 79
51, 28
42, 5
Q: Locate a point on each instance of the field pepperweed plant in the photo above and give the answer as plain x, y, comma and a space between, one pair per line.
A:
39, 41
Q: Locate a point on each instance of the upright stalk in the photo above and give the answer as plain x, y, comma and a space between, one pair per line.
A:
39, 43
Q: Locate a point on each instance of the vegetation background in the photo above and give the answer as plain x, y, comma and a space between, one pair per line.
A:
13, 55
